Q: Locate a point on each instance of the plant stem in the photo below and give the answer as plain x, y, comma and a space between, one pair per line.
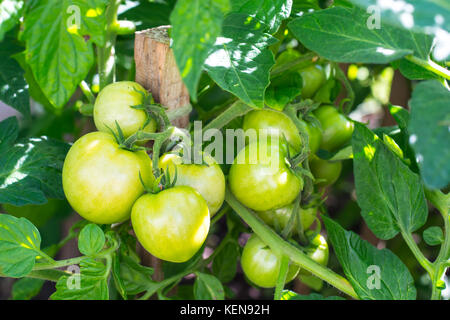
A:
237, 109
293, 64
87, 92
430, 66
424, 262
106, 54
276, 243
58, 264
220, 214
284, 268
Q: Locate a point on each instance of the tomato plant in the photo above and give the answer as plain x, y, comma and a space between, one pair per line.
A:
134, 165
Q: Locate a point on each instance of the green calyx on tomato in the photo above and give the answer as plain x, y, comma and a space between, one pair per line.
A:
313, 78
261, 265
336, 128
208, 179
268, 122
101, 181
314, 135
172, 224
114, 104
261, 179
325, 170
279, 218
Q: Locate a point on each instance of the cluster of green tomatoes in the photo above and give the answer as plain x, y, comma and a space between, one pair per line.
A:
170, 211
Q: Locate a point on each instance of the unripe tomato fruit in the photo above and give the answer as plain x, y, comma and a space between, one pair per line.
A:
114, 103
327, 170
314, 135
172, 224
101, 181
38, 214
261, 265
208, 180
276, 123
261, 179
280, 217
313, 77
318, 251
336, 128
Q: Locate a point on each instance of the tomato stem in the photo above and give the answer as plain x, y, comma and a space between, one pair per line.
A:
276, 243
284, 268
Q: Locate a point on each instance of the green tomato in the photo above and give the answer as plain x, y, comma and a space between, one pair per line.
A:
114, 103
101, 181
261, 179
313, 77
261, 265
318, 251
280, 217
275, 123
336, 128
327, 170
208, 179
314, 135
38, 214
172, 224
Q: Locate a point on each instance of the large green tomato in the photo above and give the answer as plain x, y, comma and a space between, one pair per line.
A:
327, 170
39, 215
261, 179
261, 265
101, 181
173, 224
313, 77
114, 103
280, 217
317, 251
208, 179
336, 128
275, 123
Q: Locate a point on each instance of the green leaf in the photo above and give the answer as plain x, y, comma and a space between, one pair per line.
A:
433, 236
341, 34
283, 90
203, 19
390, 195
374, 274
240, 61
26, 288
90, 284
61, 57
429, 134
208, 287
30, 170
136, 278
91, 240
224, 265
291, 295
148, 15
13, 88
20, 243
10, 13
269, 12
9, 130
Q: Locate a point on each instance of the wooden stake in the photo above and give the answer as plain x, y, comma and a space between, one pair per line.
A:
157, 71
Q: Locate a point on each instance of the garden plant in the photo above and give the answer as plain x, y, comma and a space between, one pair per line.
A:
293, 172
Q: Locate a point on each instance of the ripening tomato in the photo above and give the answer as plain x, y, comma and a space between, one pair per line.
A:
261, 179
323, 169
280, 217
208, 179
101, 181
336, 128
114, 103
317, 251
172, 224
261, 265
275, 123
313, 77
